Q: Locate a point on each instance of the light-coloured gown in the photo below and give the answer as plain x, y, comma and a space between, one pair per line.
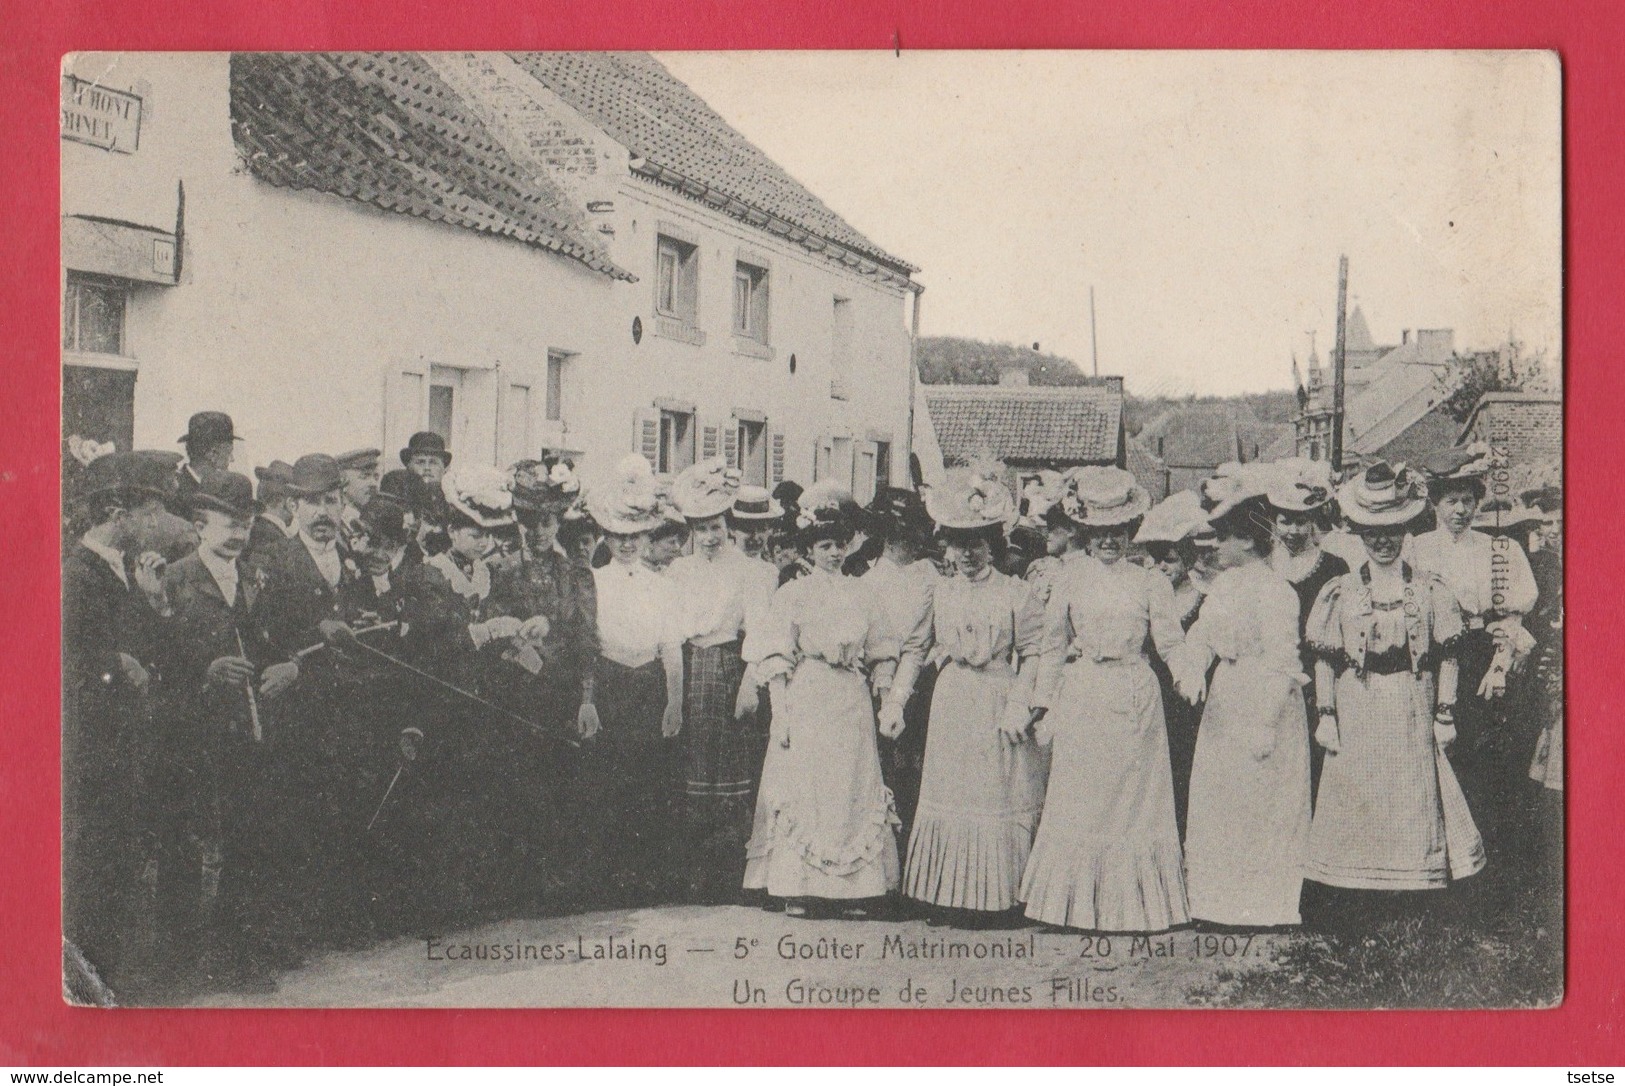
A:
1247, 831
1107, 854
981, 793
1389, 814
824, 825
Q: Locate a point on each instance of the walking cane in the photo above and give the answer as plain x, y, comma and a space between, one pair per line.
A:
371, 821
253, 702
345, 637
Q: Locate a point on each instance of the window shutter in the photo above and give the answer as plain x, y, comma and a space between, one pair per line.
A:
646, 434
688, 286
776, 457
710, 441
730, 443
406, 402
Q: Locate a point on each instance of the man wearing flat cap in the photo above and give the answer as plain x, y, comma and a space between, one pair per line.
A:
360, 473
310, 580
210, 442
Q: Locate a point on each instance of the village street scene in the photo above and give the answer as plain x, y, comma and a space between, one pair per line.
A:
811, 530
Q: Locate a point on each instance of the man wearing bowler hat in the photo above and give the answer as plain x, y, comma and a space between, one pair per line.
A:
274, 520
210, 442
103, 688
209, 818
426, 456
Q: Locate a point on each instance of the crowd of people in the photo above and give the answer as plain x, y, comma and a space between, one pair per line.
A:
338, 704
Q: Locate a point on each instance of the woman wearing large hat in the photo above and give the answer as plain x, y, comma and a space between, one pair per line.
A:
1303, 506
825, 826
983, 782
629, 735
1107, 852
450, 631
725, 593
1389, 814
1249, 786
1490, 578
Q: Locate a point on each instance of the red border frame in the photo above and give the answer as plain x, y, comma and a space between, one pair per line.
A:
36, 1028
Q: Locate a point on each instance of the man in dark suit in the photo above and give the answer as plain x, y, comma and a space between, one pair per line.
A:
322, 745
210, 441
104, 682
274, 520
221, 672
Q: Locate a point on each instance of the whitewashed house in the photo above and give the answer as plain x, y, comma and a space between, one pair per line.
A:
521, 251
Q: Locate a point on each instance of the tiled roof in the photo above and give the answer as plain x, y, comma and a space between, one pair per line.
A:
1063, 425
384, 129
642, 106
1148, 469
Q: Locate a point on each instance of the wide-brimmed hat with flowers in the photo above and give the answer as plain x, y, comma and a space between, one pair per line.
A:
1104, 497
1499, 516
628, 503
972, 497
480, 492
706, 489
1472, 461
1176, 518
548, 486
1039, 495
1300, 485
1382, 496
827, 510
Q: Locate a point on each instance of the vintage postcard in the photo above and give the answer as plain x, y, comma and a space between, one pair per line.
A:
898, 530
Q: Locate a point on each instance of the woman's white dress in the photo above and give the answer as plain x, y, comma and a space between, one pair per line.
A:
1389, 814
824, 824
1247, 831
981, 793
1106, 857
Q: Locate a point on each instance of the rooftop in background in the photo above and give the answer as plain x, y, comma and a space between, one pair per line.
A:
384, 129
676, 139
1025, 425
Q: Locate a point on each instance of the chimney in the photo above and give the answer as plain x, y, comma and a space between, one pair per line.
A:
1013, 373
1404, 337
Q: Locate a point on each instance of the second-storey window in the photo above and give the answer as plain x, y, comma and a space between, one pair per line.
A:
677, 279
750, 302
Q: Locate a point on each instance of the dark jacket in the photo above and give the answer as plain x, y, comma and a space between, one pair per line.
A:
297, 596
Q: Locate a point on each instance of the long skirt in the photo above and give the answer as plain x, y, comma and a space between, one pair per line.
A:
1248, 834
623, 807
1107, 855
825, 826
980, 797
722, 758
1390, 815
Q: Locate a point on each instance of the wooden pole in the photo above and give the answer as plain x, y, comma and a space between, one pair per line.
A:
1094, 346
913, 377
1337, 366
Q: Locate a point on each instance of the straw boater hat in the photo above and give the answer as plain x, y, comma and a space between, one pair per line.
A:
755, 503
1382, 496
629, 503
971, 499
705, 490
1103, 497
479, 492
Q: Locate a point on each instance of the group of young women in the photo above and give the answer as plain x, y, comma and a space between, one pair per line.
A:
1108, 745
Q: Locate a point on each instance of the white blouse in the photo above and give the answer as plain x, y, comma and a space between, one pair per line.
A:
722, 598
1484, 573
639, 613
1102, 613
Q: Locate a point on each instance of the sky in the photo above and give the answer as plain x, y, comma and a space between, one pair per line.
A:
1205, 197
